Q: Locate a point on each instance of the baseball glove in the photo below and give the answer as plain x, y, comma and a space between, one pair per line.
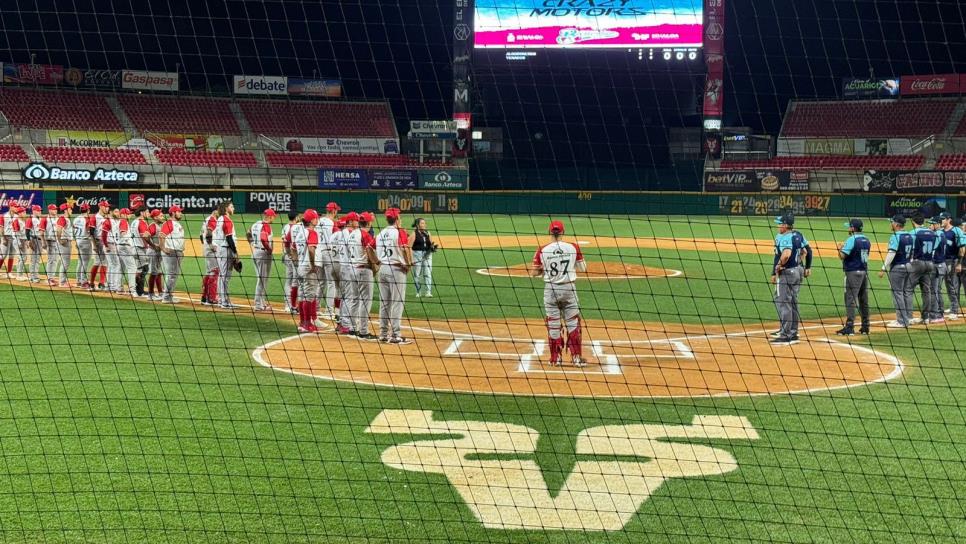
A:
237, 265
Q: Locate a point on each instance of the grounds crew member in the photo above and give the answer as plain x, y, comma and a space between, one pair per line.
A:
855, 262
897, 266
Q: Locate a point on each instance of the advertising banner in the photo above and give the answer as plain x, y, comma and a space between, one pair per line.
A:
772, 205
511, 24
85, 138
463, 144
343, 178
437, 130
329, 88
191, 142
77, 197
33, 74
259, 201
829, 146
462, 47
39, 172
143, 80
781, 181
392, 179
260, 85
420, 203
928, 206
714, 58
731, 181
23, 198
930, 84
343, 146
104, 79
191, 202
449, 180
870, 88
886, 181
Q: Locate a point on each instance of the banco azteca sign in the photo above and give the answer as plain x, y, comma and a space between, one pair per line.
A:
41, 172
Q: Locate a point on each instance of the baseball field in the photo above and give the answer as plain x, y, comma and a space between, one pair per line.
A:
128, 420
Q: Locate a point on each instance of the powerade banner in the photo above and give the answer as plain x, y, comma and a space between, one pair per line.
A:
259, 201
732, 181
579, 24
191, 202
343, 178
24, 199
392, 179
33, 74
928, 206
886, 181
870, 88
330, 88
931, 84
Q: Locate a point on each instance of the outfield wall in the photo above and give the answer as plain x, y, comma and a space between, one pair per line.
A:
541, 203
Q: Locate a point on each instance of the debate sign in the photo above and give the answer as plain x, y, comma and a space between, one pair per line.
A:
260, 85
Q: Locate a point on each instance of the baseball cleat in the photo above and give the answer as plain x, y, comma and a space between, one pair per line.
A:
400, 341
785, 341
864, 329
429, 295
383, 340
845, 331
916, 321
367, 337
308, 328
896, 325
775, 334
344, 331
579, 362
936, 321
418, 295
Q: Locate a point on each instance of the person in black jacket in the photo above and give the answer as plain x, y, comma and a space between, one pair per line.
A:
423, 248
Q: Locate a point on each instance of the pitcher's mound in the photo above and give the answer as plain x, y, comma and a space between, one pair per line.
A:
596, 270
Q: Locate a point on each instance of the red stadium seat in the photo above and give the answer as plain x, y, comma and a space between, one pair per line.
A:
93, 155
955, 161
13, 153
180, 114
319, 119
222, 159
907, 118
58, 110
833, 162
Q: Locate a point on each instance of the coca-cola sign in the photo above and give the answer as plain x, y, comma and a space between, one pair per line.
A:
930, 84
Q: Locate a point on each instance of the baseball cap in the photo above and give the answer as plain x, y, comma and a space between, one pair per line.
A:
36, 208
556, 227
945, 215
367, 217
962, 220
174, 209
899, 219
125, 211
935, 220
103, 204
854, 223
270, 213
310, 215
65, 207
786, 219
351, 216
392, 212
333, 207
340, 223
155, 213
85, 207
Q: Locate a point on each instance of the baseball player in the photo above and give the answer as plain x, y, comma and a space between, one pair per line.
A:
111, 250
855, 262
305, 243
223, 238
139, 239
126, 261
331, 271
558, 262
339, 265
290, 289
921, 267
787, 275
101, 230
936, 311
955, 239
84, 239
260, 238
48, 227
209, 283
153, 241
35, 241
361, 248
395, 259
64, 237
172, 251
18, 246
8, 223
897, 265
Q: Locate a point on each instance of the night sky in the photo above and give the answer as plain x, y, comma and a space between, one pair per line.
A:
608, 109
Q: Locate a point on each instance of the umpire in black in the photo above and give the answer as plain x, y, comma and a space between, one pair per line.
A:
855, 262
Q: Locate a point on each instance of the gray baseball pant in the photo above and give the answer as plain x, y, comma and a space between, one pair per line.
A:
263, 268
953, 282
18, 253
392, 298
423, 271
308, 283
172, 271
856, 294
362, 299
560, 302
85, 251
129, 268
113, 268
347, 292
899, 280
62, 268
36, 252
786, 300
291, 278
920, 274
53, 258
225, 259
330, 275
936, 284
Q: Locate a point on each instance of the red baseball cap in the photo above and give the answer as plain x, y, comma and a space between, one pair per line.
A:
103, 204
367, 217
392, 212
556, 227
36, 208
85, 207
270, 213
175, 209
52, 207
155, 213
340, 223
65, 207
310, 215
125, 211
351, 216
333, 207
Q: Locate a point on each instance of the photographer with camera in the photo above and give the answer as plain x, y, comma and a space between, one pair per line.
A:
423, 249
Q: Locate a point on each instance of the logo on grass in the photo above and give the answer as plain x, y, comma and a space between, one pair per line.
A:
493, 468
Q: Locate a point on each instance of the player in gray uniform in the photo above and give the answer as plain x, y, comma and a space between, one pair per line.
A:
139, 235
19, 245
172, 252
125, 252
49, 234
921, 268
395, 260
897, 266
34, 242
155, 271
331, 270
64, 237
290, 288
262, 243
100, 268
83, 238
362, 254
558, 262
346, 273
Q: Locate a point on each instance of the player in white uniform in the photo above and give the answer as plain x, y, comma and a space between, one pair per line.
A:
35, 241
290, 289
126, 262
7, 250
361, 247
304, 250
153, 241
331, 271
263, 247
209, 284
172, 252
347, 286
99, 270
18, 247
395, 258
64, 236
49, 233
558, 262
223, 238
337, 247
139, 235
83, 224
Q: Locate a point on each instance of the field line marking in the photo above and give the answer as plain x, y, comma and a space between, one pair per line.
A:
454, 347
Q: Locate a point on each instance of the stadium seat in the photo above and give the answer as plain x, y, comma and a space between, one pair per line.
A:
93, 155
225, 159
184, 115
320, 160
58, 110
833, 162
961, 129
956, 161
13, 153
876, 118
319, 119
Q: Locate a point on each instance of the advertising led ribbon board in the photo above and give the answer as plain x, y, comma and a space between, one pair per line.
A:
580, 24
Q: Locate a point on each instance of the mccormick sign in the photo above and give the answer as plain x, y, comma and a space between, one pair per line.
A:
149, 81
932, 84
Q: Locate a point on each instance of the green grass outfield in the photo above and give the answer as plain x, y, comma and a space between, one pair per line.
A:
125, 421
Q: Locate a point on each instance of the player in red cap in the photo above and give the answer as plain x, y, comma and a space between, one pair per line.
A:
122, 265
361, 247
154, 255
224, 240
7, 225
346, 274
558, 262
263, 245
63, 236
337, 244
48, 233
34, 243
172, 251
102, 228
395, 258
209, 284
330, 266
84, 239
18, 243
139, 239
290, 288
305, 241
